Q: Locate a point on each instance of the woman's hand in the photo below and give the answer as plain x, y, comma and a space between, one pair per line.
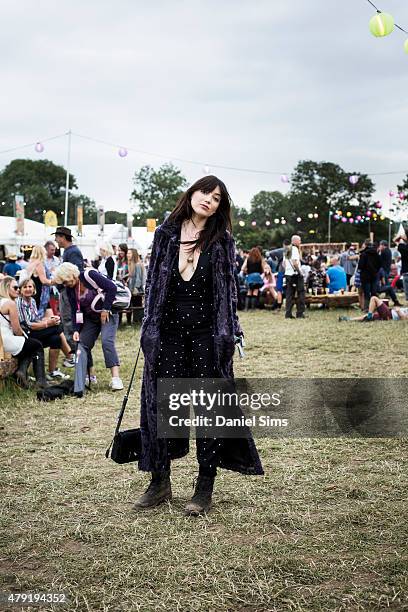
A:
104, 316
75, 336
52, 321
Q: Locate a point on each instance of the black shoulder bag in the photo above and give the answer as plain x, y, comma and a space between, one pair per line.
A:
126, 445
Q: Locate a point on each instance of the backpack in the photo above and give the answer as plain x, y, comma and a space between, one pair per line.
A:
122, 298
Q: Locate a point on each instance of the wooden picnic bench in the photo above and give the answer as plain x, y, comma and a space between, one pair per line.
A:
334, 300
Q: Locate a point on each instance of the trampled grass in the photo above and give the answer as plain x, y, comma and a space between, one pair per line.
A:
324, 529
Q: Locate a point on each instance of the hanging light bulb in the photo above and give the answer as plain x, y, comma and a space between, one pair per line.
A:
241, 223
253, 223
39, 147
122, 152
267, 222
284, 178
298, 219
353, 179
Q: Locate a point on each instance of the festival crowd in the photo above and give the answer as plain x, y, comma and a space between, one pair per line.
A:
285, 275
64, 303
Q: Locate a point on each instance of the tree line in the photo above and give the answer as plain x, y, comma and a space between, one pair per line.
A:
316, 191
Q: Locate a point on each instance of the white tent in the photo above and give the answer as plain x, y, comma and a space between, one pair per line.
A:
88, 242
34, 233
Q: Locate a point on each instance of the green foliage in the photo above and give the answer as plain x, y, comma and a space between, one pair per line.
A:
317, 188
113, 216
42, 183
157, 191
266, 206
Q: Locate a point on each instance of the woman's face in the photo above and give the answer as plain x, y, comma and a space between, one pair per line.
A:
28, 290
129, 256
13, 290
71, 282
122, 254
103, 253
206, 204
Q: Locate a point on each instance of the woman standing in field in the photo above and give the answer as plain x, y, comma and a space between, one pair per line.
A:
190, 330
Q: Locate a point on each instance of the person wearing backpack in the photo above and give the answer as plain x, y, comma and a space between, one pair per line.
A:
92, 296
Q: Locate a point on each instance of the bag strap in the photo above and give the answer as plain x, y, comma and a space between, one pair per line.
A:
124, 403
126, 397
90, 280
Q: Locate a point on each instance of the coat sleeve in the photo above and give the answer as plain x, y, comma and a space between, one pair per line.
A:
233, 288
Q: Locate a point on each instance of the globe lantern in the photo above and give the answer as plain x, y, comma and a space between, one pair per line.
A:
381, 24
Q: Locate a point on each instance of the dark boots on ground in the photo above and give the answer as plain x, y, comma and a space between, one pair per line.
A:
39, 369
158, 491
21, 374
38, 362
201, 501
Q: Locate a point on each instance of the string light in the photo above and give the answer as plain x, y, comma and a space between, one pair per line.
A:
203, 165
382, 24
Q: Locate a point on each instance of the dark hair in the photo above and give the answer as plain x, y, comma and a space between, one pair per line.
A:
286, 242
123, 247
217, 224
348, 245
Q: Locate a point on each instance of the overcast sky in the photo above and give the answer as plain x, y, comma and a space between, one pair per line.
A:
255, 85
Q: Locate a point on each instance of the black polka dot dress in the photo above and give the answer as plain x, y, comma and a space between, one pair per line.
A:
187, 337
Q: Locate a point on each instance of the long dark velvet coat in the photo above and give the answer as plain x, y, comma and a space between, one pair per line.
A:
237, 454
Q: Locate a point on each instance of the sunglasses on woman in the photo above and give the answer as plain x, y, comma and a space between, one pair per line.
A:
15, 287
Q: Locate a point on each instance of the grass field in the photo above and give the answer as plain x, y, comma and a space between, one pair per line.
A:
324, 529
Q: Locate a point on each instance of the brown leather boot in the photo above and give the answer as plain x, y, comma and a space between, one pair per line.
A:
201, 501
158, 491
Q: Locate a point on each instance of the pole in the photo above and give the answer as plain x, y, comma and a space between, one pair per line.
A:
329, 230
390, 223
67, 180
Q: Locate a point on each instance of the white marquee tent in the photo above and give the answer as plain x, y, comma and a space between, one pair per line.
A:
89, 241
